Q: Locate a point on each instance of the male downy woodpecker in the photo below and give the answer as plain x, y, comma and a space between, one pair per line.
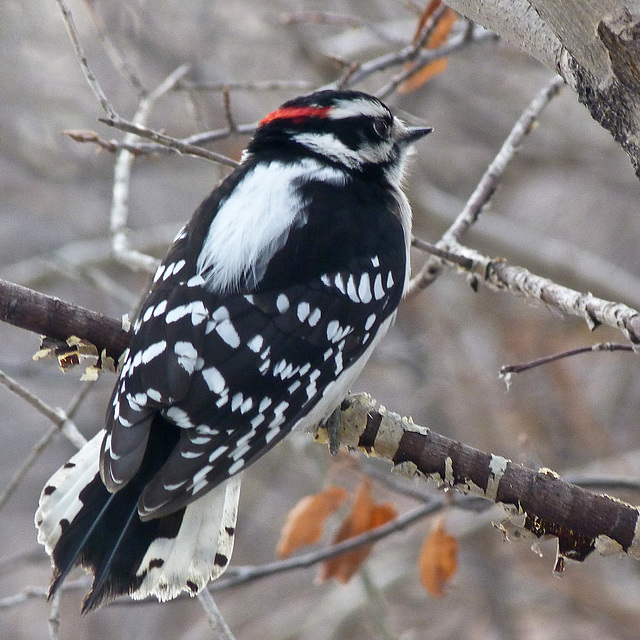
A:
261, 316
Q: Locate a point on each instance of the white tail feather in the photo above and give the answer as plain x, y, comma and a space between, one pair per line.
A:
59, 499
199, 553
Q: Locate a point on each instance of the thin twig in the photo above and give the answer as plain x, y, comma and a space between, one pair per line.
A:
488, 183
375, 605
167, 141
268, 85
418, 63
57, 415
82, 59
409, 53
61, 423
226, 99
322, 17
35, 453
114, 120
538, 362
72, 434
499, 275
532, 246
118, 59
27, 594
327, 17
216, 621
435, 250
240, 575
602, 483
149, 148
54, 617
40, 593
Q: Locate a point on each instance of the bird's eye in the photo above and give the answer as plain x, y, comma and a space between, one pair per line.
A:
382, 127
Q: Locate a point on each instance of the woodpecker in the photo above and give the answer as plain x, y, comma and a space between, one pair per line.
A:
259, 319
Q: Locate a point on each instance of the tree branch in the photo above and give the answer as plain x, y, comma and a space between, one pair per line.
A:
593, 45
54, 318
580, 520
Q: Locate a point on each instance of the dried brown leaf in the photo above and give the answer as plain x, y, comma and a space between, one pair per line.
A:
437, 38
305, 521
429, 10
365, 515
438, 560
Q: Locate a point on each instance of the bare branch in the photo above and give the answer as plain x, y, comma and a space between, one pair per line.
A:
267, 85
422, 57
581, 521
61, 419
419, 43
121, 181
30, 593
435, 250
46, 315
62, 423
499, 275
216, 621
118, 59
186, 148
488, 183
235, 576
149, 148
600, 483
114, 120
509, 369
82, 59
231, 123
239, 575
593, 45
54, 617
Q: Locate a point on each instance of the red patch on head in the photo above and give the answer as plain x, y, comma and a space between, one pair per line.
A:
295, 114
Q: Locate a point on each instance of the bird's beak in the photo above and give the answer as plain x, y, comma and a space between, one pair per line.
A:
413, 134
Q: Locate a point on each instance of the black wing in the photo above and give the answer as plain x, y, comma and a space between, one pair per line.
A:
237, 372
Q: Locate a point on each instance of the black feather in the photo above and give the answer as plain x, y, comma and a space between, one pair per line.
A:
107, 536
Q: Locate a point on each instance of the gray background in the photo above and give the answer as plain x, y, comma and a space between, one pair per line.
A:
571, 188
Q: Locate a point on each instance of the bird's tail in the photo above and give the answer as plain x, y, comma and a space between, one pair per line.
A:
80, 522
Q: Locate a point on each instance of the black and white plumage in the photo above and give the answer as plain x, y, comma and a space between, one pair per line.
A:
262, 315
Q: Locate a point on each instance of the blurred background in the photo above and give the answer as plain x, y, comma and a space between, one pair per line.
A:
566, 209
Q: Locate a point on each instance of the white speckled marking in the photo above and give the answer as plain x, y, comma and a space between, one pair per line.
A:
282, 302
314, 317
255, 344
364, 288
378, 290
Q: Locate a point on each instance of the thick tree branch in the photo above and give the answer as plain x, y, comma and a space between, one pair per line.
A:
54, 318
592, 44
580, 520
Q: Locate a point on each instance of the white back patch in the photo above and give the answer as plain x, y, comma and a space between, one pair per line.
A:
252, 224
